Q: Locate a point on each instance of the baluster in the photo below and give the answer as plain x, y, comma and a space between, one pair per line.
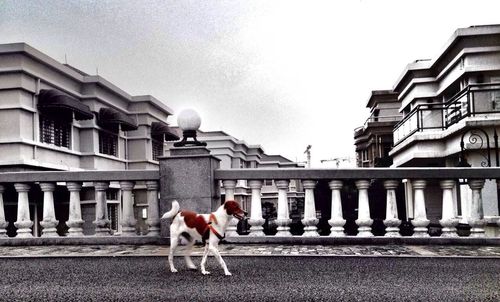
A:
101, 209
256, 221
364, 221
3, 223
75, 222
337, 220
153, 220
476, 220
229, 186
420, 221
49, 221
128, 219
310, 221
23, 223
448, 221
391, 213
283, 220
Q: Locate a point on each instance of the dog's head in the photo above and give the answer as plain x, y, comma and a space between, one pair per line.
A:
233, 209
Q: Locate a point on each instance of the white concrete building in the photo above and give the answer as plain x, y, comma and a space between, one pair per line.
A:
451, 98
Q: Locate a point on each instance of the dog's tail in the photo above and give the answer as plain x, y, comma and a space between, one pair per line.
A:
175, 209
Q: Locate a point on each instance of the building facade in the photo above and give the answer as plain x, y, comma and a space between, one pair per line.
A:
55, 117
450, 108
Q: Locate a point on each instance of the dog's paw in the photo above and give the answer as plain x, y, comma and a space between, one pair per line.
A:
205, 273
193, 268
228, 274
173, 270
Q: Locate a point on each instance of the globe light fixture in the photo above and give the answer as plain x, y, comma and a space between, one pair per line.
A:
189, 121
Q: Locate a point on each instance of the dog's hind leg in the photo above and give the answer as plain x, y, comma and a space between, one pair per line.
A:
187, 256
174, 241
213, 248
204, 261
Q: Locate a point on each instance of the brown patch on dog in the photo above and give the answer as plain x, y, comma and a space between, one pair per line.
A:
195, 221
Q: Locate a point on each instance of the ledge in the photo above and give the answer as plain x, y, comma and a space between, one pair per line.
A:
86, 240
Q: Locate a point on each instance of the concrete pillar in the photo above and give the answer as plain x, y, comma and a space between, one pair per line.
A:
153, 220
3, 223
283, 220
101, 209
128, 219
75, 222
420, 221
49, 221
187, 175
448, 221
476, 219
310, 221
392, 222
364, 221
256, 221
23, 223
229, 186
337, 220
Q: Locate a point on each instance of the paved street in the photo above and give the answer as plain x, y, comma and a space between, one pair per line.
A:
254, 279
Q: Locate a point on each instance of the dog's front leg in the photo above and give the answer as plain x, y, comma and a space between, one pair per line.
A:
213, 248
173, 244
204, 261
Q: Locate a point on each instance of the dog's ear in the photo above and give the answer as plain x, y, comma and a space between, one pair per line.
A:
232, 207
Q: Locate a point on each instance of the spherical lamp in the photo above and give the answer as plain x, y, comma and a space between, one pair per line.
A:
189, 121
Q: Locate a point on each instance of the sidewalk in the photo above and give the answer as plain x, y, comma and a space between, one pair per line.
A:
256, 250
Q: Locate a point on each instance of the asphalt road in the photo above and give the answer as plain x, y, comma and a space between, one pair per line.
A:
254, 279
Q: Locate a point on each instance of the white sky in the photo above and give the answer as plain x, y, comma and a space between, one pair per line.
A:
282, 74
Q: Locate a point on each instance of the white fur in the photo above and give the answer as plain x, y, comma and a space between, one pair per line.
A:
178, 227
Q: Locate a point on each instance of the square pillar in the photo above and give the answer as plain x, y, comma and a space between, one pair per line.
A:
187, 175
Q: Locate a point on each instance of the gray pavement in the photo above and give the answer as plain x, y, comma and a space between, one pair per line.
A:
469, 251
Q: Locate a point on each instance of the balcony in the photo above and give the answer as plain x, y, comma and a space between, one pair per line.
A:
474, 100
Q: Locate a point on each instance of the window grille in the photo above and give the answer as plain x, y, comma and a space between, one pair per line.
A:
157, 148
55, 132
108, 143
113, 216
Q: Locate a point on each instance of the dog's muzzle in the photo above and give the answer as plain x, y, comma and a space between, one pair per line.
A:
240, 217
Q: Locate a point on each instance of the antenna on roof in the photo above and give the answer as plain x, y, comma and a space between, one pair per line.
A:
65, 59
96, 70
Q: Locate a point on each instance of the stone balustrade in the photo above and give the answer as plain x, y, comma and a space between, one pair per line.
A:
361, 180
24, 188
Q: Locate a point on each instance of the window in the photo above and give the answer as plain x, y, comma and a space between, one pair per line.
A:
157, 146
113, 216
54, 131
108, 143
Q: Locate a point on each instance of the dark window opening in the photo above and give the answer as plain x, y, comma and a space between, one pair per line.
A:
157, 146
54, 131
108, 143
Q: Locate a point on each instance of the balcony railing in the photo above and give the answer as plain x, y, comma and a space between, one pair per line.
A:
474, 100
337, 179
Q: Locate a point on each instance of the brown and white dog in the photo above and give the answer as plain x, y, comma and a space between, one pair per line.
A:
193, 226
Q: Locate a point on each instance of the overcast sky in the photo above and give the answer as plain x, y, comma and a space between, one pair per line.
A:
280, 74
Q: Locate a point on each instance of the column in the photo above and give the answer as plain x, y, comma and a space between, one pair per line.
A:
391, 221
128, 219
23, 223
101, 209
337, 220
448, 221
3, 223
420, 221
283, 220
153, 220
75, 222
476, 220
229, 186
364, 221
256, 221
49, 221
310, 221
